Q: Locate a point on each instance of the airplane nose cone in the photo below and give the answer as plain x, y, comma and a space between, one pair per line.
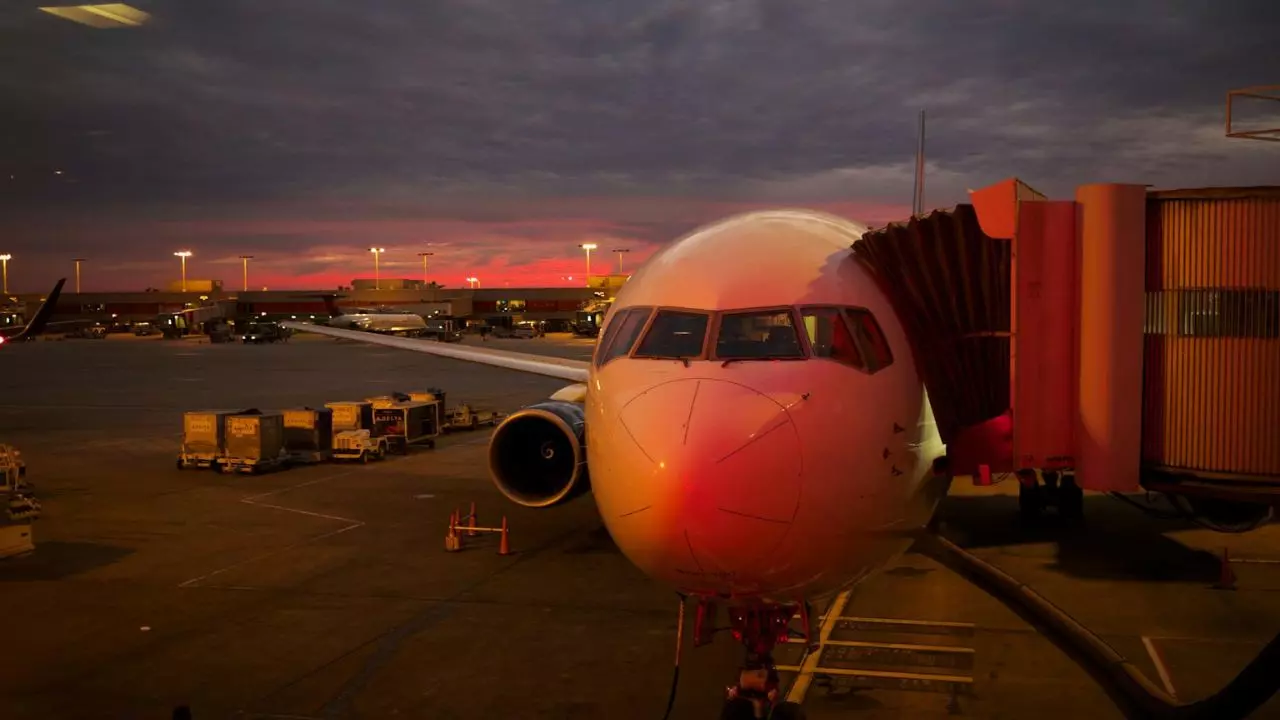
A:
726, 464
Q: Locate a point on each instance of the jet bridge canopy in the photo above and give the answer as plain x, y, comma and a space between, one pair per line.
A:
949, 284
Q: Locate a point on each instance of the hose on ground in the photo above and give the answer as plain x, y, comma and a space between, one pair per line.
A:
1138, 697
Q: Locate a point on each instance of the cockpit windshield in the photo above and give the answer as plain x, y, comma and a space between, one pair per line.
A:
675, 334
759, 335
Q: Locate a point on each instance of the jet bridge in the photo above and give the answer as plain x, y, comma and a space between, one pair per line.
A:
1128, 336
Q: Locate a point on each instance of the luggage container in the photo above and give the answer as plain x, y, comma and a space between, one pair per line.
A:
308, 434
388, 400
430, 395
351, 415
204, 438
255, 443
408, 423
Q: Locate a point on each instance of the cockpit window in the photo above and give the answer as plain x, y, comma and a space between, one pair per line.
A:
622, 334
830, 337
769, 334
674, 334
866, 330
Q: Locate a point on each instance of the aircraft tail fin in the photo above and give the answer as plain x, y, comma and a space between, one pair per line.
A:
38, 321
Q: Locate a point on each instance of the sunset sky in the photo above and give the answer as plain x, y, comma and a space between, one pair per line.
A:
505, 134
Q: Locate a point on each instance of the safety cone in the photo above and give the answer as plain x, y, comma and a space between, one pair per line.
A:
1226, 576
471, 524
504, 546
452, 543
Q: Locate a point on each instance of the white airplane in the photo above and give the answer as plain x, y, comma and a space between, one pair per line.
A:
753, 425
377, 320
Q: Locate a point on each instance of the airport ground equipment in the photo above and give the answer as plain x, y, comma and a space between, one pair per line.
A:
359, 445
351, 415
308, 434
464, 417
461, 527
254, 443
408, 423
204, 438
21, 507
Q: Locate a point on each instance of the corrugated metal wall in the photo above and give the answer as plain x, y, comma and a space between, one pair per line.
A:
1211, 389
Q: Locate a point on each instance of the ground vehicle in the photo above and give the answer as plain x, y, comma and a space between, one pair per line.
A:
359, 445
264, 332
464, 417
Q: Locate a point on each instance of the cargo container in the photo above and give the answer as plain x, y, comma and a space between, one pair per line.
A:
308, 434
408, 423
254, 443
386, 401
351, 415
204, 437
430, 395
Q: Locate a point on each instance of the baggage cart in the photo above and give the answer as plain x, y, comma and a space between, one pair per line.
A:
408, 423
204, 438
351, 415
255, 443
308, 434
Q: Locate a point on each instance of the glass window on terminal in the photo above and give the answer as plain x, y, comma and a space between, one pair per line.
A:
675, 335
830, 337
622, 333
758, 335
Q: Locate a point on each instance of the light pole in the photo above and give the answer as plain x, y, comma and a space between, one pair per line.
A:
474, 281
620, 251
77, 262
4, 261
588, 247
244, 261
184, 254
377, 273
424, 256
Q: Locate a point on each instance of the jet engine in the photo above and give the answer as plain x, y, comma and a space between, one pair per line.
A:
538, 456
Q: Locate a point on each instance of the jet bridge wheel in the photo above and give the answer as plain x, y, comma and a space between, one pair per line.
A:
1030, 499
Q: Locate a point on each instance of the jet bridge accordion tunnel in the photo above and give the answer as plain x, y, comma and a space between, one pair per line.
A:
1130, 335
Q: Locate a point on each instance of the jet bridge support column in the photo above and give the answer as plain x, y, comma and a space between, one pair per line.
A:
1112, 227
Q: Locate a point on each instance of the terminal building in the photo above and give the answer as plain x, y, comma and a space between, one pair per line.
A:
492, 306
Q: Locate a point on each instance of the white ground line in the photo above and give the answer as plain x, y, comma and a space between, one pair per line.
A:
352, 524
1160, 668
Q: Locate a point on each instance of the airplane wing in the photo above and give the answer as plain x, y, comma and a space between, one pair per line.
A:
562, 368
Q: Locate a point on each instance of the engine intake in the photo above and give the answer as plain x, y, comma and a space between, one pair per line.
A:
538, 456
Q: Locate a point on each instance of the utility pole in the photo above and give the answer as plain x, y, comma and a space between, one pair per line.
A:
244, 260
917, 201
620, 252
78, 261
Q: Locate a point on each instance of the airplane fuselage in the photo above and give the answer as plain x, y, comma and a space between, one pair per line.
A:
393, 323
773, 478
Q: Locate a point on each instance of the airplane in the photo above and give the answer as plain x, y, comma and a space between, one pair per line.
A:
759, 434
377, 320
38, 321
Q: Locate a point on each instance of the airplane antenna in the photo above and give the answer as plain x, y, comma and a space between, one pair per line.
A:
917, 198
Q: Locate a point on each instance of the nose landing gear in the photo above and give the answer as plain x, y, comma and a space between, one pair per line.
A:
1058, 490
759, 627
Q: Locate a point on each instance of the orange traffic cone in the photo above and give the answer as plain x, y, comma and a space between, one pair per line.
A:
452, 543
471, 524
1226, 576
504, 546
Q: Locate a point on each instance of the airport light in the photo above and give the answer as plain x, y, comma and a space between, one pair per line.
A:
244, 260
184, 254
377, 272
619, 252
78, 261
424, 256
474, 281
588, 247
4, 261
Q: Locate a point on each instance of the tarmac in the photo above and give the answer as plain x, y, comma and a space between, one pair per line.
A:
325, 591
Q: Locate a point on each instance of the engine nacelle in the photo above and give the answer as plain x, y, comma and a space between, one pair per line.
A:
538, 456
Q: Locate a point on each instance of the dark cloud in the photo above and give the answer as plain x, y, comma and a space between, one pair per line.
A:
481, 109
